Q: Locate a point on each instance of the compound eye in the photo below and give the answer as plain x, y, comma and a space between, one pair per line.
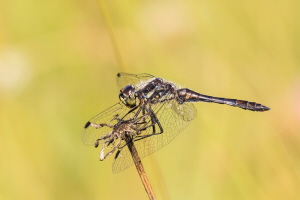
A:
128, 90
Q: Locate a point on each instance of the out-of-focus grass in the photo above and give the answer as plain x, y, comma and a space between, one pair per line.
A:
57, 70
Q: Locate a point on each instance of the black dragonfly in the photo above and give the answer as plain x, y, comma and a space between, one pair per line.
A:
154, 111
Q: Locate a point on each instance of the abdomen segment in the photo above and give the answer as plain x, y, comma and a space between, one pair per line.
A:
187, 95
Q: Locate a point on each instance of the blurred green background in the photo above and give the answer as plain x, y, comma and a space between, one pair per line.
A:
58, 69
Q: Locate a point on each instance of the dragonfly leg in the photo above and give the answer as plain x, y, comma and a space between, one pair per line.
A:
144, 128
154, 121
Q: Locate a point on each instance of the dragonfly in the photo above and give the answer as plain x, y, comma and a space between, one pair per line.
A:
153, 111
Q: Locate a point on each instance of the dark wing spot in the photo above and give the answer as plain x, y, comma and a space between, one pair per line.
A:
87, 124
117, 154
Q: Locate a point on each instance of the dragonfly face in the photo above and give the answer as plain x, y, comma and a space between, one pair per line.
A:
127, 96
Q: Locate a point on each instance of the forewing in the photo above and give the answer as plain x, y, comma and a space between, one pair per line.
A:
90, 134
124, 79
172, 122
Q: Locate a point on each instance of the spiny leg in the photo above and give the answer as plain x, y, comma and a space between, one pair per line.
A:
154, 120
146, 113
138, 129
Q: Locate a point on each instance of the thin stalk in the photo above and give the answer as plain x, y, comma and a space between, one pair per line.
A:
110, 29
139, 166
130, 144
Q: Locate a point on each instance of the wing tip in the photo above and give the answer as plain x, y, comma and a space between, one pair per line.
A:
87, 124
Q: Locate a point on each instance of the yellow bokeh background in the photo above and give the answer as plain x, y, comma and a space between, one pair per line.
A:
58, 66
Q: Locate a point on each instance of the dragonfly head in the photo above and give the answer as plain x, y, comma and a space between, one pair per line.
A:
127, 96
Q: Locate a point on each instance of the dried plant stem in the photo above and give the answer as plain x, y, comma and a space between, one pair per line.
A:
139, 166
115, 44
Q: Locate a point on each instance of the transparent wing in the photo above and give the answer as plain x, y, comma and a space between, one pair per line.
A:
90, 134
172, 121
124, 159
185, 111
124, 79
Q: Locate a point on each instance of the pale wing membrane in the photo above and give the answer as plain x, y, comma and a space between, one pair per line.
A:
172, 124
90, 134
124, 79
186, 111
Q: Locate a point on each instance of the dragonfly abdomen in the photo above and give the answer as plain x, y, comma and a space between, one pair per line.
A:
187, 95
